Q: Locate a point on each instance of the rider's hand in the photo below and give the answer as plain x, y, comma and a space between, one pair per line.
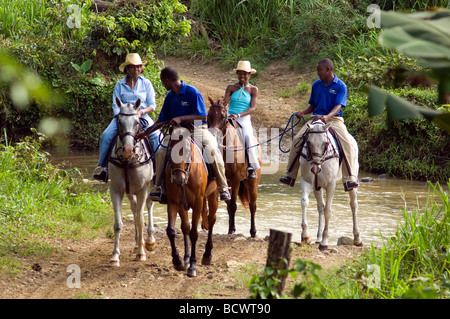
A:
176, 121
141, 135
299, 115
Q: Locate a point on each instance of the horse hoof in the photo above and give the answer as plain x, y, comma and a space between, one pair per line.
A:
114, 263
323, 247
192, 272
141, 257
206, 260
306, 240
150, 246
360, 244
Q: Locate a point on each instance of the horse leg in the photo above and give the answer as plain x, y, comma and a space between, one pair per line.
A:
354, 206
252, 205
139, 201
133, 207
327, 214
232, 207
170, 231
193, 235
116, 199
320, 208
150, 242
306, 189
185, 228
212, 207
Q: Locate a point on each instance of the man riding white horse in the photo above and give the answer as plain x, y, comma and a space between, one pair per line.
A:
328, 97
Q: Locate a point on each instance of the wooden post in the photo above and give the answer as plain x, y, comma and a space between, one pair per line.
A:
279, 252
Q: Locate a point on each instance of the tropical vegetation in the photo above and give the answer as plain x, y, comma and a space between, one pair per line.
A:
58, 67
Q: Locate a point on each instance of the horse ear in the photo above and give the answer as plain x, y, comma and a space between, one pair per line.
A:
327, 126
118, 102
308, 126
137, 104
210, 100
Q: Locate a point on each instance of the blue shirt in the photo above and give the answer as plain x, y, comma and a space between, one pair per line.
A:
325, 97
143, 90
188, 101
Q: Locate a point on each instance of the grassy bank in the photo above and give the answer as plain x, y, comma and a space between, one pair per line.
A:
414, 263
40, 203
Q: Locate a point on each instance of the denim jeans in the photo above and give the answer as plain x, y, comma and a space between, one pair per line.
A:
108, 134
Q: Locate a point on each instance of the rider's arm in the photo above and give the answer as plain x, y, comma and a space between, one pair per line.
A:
187, 118
333, 112
308, 110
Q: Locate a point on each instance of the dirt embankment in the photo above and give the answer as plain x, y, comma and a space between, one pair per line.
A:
235, 258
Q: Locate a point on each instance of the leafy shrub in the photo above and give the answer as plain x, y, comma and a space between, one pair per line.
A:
45, 43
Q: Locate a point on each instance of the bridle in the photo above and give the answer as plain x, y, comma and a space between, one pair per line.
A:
133, 162
317, 159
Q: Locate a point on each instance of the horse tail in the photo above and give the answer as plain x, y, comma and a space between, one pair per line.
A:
244, 196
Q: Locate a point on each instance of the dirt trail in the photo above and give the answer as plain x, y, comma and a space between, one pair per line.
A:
235, 257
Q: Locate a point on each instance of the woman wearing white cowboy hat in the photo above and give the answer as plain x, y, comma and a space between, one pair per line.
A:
243, 97
132, 87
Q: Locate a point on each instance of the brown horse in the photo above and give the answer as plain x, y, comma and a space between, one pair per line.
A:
236, 164
187, 187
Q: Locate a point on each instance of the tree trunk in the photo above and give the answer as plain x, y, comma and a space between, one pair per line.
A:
279, 254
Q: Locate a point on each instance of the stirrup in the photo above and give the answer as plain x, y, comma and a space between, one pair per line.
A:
155, 195
102, 174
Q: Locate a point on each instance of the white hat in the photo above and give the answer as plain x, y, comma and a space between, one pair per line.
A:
244, 66
132, 59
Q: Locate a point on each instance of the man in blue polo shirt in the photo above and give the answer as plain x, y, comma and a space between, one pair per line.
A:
185, 104
328, 97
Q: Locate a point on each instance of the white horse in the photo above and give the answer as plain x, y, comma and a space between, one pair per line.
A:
320, 170
131, 172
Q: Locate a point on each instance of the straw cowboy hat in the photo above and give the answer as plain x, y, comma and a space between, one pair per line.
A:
244, 66
132, 59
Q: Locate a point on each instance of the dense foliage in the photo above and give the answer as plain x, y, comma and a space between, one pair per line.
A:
77, 51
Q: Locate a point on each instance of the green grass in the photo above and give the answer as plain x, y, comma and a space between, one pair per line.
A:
16, 14
40, 203
413, 263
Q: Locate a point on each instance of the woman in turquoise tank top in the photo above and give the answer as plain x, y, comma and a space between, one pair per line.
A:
243, 97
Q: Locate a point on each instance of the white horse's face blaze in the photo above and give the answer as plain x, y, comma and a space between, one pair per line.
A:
128, 128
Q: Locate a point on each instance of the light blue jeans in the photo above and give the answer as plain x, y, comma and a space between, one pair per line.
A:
108, 134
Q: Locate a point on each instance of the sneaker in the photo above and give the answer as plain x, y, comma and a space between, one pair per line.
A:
288, 181
225, 195
252, 174
103, 175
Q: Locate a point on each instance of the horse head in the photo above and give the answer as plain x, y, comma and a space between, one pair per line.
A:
180, 155
217, 115
128, 126
317, 143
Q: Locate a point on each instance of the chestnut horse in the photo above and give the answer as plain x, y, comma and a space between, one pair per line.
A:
236, 164
187, 187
